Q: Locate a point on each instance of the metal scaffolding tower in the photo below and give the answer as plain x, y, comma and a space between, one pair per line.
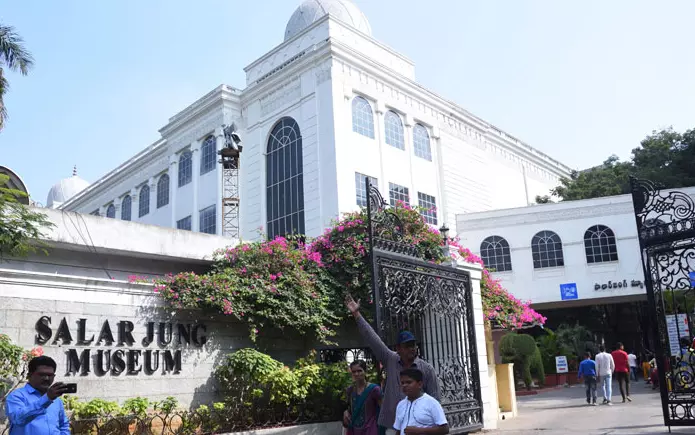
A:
230, 182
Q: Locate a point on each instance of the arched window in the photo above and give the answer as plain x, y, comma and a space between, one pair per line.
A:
111, 211
207, 155
421, 142
185, 168
144, 201
163, 191
495, 254
362, 117
546, 248
599, 244
394, 130
285, 180
126, 206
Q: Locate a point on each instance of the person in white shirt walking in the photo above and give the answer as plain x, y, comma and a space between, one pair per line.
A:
634, 367
604, 370
419, 413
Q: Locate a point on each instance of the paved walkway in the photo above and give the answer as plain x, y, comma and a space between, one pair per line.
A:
564, 411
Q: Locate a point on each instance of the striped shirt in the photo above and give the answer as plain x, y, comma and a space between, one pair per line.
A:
393, 366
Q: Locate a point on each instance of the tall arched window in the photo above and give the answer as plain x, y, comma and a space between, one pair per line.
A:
144, 201
546, 248
599, 244
362, 117
421, 142
207, 155
495, 254
285, 180
126, 206
111, 211
185, 168
163, 191
393, 127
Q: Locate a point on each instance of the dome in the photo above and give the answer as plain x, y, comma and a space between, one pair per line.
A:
312, 10
65, 189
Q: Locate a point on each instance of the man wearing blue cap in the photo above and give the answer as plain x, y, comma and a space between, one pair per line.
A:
405, 357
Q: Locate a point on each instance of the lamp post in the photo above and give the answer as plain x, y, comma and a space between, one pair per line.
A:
444, 231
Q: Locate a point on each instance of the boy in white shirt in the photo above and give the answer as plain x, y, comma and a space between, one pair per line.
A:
419, 413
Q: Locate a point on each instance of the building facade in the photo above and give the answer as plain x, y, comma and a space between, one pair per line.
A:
319, 113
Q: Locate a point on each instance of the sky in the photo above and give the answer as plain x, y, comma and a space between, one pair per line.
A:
578, 80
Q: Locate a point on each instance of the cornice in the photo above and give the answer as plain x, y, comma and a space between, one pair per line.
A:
125, 170
452, 118
314, 56
541, 213
317, 24
70, 282
201, 106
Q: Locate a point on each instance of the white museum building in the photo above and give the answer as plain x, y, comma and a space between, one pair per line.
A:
562, 255
319, 113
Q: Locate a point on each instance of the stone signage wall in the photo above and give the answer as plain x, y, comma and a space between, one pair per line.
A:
116, 341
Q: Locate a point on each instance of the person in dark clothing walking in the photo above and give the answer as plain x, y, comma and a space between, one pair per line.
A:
622, 371
587, 370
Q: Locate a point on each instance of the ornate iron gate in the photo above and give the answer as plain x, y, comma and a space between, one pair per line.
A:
432, 301
666, 232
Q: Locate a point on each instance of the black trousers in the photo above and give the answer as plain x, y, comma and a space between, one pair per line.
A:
590, 384
623, 378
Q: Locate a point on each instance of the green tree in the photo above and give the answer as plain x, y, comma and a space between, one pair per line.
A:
20, 226
521, 349
14, 57
665, 157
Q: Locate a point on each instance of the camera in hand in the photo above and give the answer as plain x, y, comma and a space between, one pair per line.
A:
70, 388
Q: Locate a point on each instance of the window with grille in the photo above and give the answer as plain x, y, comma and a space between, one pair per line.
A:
111, 211
495, 253
208, 154
284, 180
428, 207
393, 128
600, 245
398, 193
208, 220
185, 168
546, 248
126, 208
362, 117
184, 224
421, 142
163, 191
362, 196
144, 201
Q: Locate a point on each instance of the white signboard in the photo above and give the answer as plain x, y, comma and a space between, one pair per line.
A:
677, 328
561, 364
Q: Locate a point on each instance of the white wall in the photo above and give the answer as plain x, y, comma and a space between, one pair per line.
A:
569, 220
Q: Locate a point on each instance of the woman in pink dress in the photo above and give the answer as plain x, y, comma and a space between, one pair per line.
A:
364, 400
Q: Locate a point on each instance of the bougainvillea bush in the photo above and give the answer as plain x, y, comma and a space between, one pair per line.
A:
286, 284
277, 283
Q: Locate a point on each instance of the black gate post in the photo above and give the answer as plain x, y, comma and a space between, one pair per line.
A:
666, 233
638, 195
432, 300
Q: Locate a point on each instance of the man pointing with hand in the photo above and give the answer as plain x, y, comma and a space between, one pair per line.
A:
394, 363
36, 409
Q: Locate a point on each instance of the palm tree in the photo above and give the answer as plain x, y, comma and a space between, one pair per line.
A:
15, 57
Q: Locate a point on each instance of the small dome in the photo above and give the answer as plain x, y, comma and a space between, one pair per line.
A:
312, 10
65, 189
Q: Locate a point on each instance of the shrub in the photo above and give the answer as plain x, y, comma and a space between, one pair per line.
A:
521, 350
248, 376
13, 365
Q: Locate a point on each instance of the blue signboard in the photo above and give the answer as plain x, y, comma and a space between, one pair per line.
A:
568, 291
692, 279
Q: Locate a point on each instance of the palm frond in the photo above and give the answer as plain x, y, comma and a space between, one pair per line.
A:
12, 51
4, 86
